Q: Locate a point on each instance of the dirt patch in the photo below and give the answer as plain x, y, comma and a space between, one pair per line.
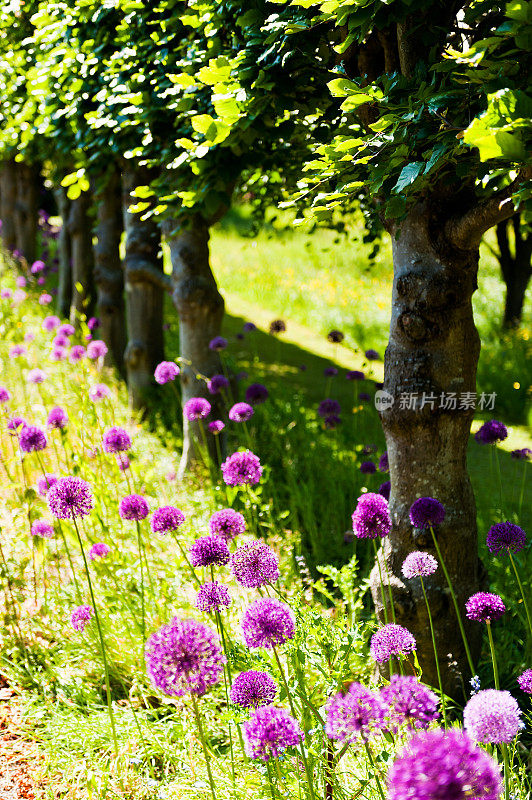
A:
19, 756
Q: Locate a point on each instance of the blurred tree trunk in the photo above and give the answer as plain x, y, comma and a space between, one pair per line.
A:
26, 210
80, 230
145, 284
108, 272
516, 267
64, 254
8, 199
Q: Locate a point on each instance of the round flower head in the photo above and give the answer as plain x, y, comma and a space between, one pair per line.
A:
31, 439
335, 337
240, 412
66, 329
80, 616
332, 422
357, 713
218, 343
249, 326
21, 281
277, 326
60, 341
505, 536
58, 353
256, 394
330, 372
209, 550
37, 267
255, 564
525, 681
57, 418
491, 432
391, 640
5, 395
184, 657
15, 423
99, 391
267, 622
419, 565
19, 295
217, 383
93, 323
49, 324
371, 518
524, 454
166, 371
213, 597
216, 426
70, 497
133, 506
372, 355
45, 298
42, 528
426, 512
6, 294
269, 731
492, 717
115, 440
167, 518
36, 376
409, 702
485, 607
252, 688
97, 349
227, 523
44, 483
241, 468
383, 465
443, 765
328, 407
196, 408
76, 353
99, 550
385, 489
354, 375
368, 468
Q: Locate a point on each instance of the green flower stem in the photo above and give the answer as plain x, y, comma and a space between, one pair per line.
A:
270, 781
142, 598
493, 656
374, 768
523, 595
384, 610
189, 565
442, 696
522, 489
70, 561
203, 744
506, 761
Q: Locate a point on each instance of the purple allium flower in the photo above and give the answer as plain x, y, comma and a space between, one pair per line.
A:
17, 350
196, 408
80, 616
240, 412
123, 461
368, 468
505, 536
5, 395
70, 497
99, 550
50, 323
267, 622
45, 298
97, 349
252, 688
391, 640
133, 506
57, 418
491, 432
371, 518
93, 324
218, 343
385, 489
216, 426
357, 713
36, 376
525, 681
44, 483
419, 564
76, 353
364, 396
485, 607
227, 523
21, 281
330, 372
217, 383
60, 340
331, 422
66, 329
241, 468
383, 465
184, 656
409, 702
255, 564
335, 336
99, 391
15, 422
368, 449
249, 326
426, 512
443, 764
166, 371
209, 550
354, 375
492, 717
372, 355
269, 731
212, 597
256, 394
32, 438
116, 440
167, 518
277, 326
6, 294
43, 528
37, 267
525, 454
328, 407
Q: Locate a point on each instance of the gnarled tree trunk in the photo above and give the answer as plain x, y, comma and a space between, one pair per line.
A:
8, 199
26, 211
516, 268
64, 254
433, 349
108, 272
145, 284
80, 230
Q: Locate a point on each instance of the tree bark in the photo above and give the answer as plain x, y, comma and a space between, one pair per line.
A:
80, 230
26, 211
433, 349
200, 307
516, 268
64, 254
108, 271
144, 283
8, 199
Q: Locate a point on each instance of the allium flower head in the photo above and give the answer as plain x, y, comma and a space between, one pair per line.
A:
37, 267
115, 440
240, 412
524, 454
45, 298
50, 323
21, 281
133, 506
218, 343
249, 326
216, 426
525, 681
383, 465
267, 623
99, 391
19, 295
385, 489
32, 438
213, 597
97, 349
328, 407
58, 353
43, 528
5, 395
371, 518
57, 418
372, 355
123, 461
77, 352
331, 422
93, 324
6, 294
166, 371
255, 564
80, 616
426, 512
243, 467
167, 518
491, 432
330, 372
36, 376
209, 550
70, 497
277, 326
419, 565
44, 483
256, 394
17, 350
15, 423
354, 375
269, 731
335, 336
227, 523
66, 329
485, 607
443, 765
99, 550
60, 340
368, 468
391, 640
492, 717
409, 702
217, 383
196, 408
184, 657
252, 688
358, 713
505, 536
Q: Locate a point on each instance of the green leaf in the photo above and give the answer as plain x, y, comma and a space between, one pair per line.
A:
408, 175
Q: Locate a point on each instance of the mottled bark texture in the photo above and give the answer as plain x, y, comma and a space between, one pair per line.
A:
26, 210
8, 199
144, 284
108, 272
200, 308
80, 224
433, 349
64, 254
516, 268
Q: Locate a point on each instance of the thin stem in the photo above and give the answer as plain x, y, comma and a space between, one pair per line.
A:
377, 559
374, 768
270, 781
523, 595
435, 653
493, 656
506, 761
203, 744
142, 599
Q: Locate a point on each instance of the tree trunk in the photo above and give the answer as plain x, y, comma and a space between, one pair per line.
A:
108, 272
26, 211
200, 307
8, 199
80, 230
144, 282
433, 349
64, 254
516, 269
